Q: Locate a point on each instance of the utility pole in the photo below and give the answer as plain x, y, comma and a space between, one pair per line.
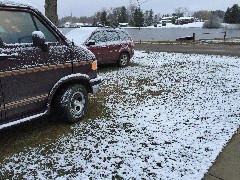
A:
51, 11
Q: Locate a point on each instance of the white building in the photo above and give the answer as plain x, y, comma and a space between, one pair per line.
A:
185, 20
123, 24
67, 24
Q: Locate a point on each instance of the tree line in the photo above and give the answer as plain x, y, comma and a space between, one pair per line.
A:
136, 17
132, 15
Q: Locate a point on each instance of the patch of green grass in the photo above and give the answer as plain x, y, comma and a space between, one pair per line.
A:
107, 67
132, 64
114, 67
31, 134
96, 106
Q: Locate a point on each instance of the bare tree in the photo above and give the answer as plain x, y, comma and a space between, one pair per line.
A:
203, 15
51, 10
182, 11
213, 22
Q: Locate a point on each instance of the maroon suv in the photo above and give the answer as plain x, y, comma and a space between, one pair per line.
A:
111, 46
40, 70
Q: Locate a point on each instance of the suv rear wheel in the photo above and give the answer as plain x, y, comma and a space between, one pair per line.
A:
123, 59
72, 103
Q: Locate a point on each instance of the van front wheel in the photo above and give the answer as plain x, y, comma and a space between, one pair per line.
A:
72, 103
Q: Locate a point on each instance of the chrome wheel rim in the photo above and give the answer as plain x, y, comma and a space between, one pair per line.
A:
77, 104
124, 59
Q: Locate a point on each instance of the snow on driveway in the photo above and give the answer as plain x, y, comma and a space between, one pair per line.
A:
171, 115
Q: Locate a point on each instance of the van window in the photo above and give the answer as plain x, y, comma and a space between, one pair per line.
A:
48, 35
17, 27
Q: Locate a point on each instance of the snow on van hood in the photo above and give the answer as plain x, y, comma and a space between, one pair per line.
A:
81, 52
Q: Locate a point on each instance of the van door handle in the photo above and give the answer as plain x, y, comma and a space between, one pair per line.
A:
8, 56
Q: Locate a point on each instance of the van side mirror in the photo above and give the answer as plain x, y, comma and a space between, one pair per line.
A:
39, 40
90, 43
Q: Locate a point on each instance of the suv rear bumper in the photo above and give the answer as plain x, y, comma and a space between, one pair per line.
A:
95, 83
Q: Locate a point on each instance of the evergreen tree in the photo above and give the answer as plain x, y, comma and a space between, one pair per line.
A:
227, 16
232, 15
103, 18
123, 15
138, 17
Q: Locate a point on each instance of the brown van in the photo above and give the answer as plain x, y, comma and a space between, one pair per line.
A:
40, 70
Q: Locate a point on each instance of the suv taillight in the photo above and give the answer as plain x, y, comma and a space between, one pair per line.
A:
94, 65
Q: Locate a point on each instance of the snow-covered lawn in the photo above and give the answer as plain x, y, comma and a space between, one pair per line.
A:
170, 116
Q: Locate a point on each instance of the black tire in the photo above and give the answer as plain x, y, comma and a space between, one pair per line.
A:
123, 59
72, 103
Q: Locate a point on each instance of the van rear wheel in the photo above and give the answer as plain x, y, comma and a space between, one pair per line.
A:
72, 103
123, 59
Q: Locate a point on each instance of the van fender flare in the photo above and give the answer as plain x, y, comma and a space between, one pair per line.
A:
65, 79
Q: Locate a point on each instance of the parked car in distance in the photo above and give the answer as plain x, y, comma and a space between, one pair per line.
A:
41, 71
111, 46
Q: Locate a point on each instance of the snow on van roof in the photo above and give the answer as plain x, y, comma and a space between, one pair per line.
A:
18, 3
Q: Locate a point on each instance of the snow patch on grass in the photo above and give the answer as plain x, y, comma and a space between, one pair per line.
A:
170, 117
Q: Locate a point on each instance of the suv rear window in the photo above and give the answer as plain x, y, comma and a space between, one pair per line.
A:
103, 36
99, 37
124, 36
112, 36
17, 27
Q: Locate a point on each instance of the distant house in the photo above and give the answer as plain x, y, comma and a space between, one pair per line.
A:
78, 24
123, 24
167, 19
82, 24
185, 20
68, 24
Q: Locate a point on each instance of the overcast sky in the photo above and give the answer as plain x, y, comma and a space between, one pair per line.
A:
89, 7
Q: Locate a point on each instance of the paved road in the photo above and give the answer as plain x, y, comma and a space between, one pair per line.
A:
233, 50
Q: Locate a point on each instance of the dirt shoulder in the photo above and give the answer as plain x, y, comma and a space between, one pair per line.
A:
212, 49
